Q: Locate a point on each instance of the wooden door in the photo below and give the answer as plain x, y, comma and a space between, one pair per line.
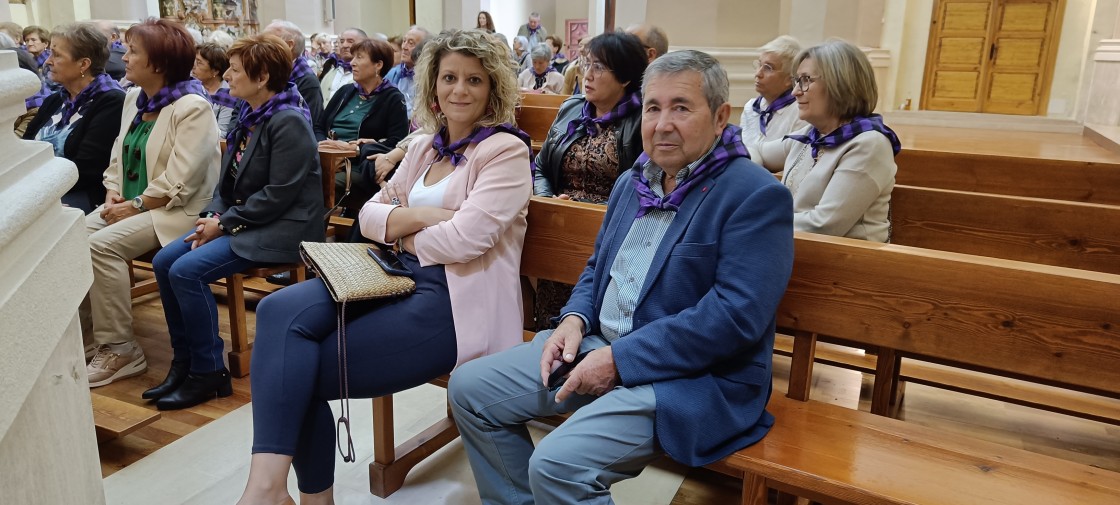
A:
992, 56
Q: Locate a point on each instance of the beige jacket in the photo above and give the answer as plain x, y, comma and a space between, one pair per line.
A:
182, 162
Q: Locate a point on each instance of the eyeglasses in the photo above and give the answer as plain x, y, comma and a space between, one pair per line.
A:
803, 81
594, 68
765, 67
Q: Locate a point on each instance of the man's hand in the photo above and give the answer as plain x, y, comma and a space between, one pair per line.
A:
595, 375
205, 230
561, 346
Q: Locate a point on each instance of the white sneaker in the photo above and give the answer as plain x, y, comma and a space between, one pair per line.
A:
91, 350
108, 366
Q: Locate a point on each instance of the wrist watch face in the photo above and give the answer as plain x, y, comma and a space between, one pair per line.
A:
138, 203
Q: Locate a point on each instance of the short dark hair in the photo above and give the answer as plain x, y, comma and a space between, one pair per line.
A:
86, 40
623, 54
169, 46
215, 56
262, 53
376, 50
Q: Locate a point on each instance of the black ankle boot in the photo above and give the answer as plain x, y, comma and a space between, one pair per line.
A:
198, 388
175, 377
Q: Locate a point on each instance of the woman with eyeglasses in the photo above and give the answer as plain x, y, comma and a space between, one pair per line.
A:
161, 174
773, 114
596, 136
840, 169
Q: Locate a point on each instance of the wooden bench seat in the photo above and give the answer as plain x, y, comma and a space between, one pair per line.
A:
113, 418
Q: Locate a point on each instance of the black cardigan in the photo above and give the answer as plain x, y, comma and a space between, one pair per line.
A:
90, 143
387, 118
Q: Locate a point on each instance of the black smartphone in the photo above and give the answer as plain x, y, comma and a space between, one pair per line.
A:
388, 261
558, 376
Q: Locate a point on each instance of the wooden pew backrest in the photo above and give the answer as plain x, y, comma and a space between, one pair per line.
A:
542, 100
560, 238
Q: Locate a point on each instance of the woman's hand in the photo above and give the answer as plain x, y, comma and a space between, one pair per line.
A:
119, 211
563, 196
408, 243
382, 165
396, 194
205, 230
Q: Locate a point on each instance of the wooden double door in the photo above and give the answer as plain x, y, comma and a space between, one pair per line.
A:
994, 56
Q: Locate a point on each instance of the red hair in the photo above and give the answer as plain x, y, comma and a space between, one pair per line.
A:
169, 46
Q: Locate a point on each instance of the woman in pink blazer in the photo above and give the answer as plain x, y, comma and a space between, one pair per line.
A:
456, 208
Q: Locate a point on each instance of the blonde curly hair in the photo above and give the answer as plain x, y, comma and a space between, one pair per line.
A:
495, 61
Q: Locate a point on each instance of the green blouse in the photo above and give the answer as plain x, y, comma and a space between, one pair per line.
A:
350, 117
134, 160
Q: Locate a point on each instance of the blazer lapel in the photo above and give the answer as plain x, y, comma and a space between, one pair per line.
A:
680, 223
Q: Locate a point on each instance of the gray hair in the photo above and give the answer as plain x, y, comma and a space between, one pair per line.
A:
359, 31
541, 52
289, 32
713, 79
86, 40
524, 42
421, 29
221, 38
535, 15
785, 48
195, 35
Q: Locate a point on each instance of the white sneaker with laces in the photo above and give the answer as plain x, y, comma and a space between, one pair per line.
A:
108, 366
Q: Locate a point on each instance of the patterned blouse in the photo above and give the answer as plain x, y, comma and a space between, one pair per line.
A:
590, 167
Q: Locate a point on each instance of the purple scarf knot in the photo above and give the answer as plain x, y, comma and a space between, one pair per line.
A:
80, 103
439, 142
223, 98
764, 116
300, 68
166, 96
841, 135
405, 72
339, 62
117, 44
385, 84
42, 58
590, 124
727, 147
289, 99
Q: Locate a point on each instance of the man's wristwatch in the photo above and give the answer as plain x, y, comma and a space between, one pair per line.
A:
138, 204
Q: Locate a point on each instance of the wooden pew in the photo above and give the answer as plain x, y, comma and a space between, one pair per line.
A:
543, 100
1049, 232
113, 418
1036, 322
536, 121
1055, 179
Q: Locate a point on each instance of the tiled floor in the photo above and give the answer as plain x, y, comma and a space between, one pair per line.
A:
210, 465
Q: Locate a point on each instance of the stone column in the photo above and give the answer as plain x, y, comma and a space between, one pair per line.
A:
48, 449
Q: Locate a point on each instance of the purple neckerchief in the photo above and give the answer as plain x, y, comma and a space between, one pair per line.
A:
727, 147
478, 135
300, 68
590, 124
166, 96
858, 125
385, 84
80, 103
406, 72
289, 99
541, 77
764, 116
42, 58
36, 100
223, 98
116, 45
339, 62
533, 31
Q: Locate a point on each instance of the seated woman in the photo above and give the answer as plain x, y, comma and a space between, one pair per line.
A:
162, 172
520, 55
368, 117
457, 207
541, 77
267, 201
595, 137
773, 114
840, 169
210, 64
559, 59
81, 119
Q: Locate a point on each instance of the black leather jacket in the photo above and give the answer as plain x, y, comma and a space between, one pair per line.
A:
547, 180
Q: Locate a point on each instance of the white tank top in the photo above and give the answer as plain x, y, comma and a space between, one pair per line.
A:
428, 196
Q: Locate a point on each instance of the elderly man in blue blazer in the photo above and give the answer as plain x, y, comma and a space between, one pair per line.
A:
672, 321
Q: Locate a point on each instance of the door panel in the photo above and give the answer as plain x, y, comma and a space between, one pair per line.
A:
1019, 72
955, 68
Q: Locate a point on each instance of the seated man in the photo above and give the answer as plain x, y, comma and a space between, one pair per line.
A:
674, 310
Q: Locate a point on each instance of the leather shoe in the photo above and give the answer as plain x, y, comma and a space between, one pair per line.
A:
175, 377
197, 389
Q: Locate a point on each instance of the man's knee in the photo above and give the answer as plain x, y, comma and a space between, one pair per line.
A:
466, 381
552, 462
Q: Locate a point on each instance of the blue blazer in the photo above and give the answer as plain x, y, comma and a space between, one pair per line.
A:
704, 324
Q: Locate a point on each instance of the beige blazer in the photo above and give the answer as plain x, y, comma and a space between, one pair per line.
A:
480, 247
182, 157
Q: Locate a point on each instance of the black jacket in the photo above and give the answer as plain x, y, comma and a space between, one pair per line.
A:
115, 66
90, 143
386, 122
312, 94
550, 160
276, 200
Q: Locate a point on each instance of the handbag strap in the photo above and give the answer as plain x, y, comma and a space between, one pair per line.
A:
344, 391
338, 200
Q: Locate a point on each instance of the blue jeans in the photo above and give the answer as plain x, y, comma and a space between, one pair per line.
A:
392, 345
184, 278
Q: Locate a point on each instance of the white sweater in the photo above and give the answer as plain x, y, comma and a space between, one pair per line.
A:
784, 122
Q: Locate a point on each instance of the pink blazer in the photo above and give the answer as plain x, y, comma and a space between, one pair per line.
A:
480, 247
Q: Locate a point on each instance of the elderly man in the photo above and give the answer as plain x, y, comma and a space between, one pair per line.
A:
302, 75
115, 66
654, 40
403, 75
672, 320
533, 31
336, 70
